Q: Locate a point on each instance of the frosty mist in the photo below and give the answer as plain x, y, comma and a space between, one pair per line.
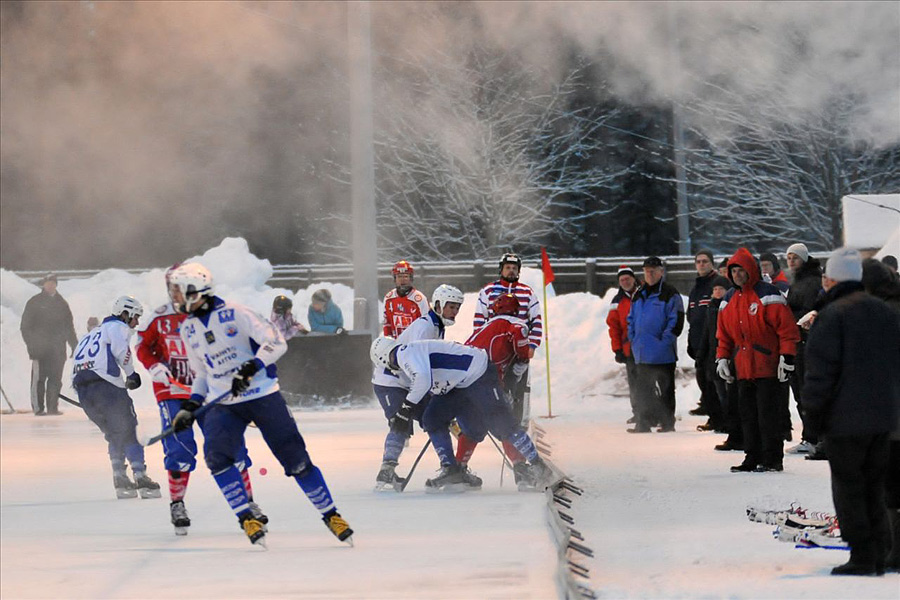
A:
176, 121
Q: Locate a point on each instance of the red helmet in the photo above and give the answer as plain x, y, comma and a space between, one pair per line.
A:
505, 304
402, 268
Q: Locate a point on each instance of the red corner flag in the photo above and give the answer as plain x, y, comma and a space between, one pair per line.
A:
545, 267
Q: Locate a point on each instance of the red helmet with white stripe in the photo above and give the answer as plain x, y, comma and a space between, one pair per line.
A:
505, 304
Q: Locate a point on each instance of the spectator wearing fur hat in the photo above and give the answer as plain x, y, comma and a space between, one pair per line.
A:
324, 315
697, 311
771, 270
802, 297
851, 398
47, 327
617, 322
654, 324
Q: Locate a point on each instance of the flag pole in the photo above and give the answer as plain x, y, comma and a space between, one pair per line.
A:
547, 344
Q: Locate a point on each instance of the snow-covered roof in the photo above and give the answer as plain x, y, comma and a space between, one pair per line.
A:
872, 221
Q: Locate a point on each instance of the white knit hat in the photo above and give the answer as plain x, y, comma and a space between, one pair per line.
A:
800, 250
844, 264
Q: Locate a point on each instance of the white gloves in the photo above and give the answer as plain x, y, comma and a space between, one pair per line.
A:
784, 369
723, 371
160, 373
519, 369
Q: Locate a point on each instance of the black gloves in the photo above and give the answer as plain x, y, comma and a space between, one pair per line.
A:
133, 381
692, 353
184, 418
620, 357
402, 422
340, 331
241, 381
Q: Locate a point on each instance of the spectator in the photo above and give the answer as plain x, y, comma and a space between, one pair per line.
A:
725, 392
801, 298
91, 323
617, 321
47, 327
757, 329
698, 309
654, 324
723, 268
851, 398
891, 262
324, 315
772, 273
283, 319
881, 283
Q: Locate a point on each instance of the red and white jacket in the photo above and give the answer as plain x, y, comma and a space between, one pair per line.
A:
401, 311
529, 307
755, 325
505, 339
160, 341
617, 320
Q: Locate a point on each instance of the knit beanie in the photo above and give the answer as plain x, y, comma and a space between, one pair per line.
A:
707, 253
624, 270
769, 257
719, 281
844, 264
800, 250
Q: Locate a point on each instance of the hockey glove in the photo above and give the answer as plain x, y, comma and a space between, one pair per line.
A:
723, 371
241, 381
785, 367
133, 381
184, 418
402, 422
620, 357
160, 373
519, 370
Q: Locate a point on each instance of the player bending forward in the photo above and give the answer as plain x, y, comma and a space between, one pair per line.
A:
232, 351
102, 357
464, 385
162, 352
392, 388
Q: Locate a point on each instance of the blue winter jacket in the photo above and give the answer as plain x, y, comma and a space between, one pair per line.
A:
654, 324
326, 322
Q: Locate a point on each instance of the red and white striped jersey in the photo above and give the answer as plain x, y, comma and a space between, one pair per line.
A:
160, 341
529, 307
505, 339
401, 311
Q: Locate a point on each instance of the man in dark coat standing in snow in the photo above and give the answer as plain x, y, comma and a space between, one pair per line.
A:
851, 397
46, 327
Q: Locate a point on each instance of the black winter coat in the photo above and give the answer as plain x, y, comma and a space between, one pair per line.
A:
852, 384
805, 290
47, 326
698, 302
706, 354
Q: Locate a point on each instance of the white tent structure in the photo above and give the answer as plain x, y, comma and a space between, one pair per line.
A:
872, 222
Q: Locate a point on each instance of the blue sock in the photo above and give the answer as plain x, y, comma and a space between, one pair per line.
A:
443, 446
313, 485
232, 485
524, 445
393, 446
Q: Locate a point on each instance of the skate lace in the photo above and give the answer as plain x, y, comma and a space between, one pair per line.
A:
252, 528
179, 511
337, 525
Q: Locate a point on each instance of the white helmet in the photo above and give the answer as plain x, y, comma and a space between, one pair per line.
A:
441, 296
380, 351
193, 280
127, 304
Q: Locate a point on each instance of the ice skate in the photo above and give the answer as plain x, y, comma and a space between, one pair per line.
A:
338, 526
180, 519
473, 481
387, 478
125, 488
259, 515
542, 475
146, 487
254, 528
450, 480
524, 478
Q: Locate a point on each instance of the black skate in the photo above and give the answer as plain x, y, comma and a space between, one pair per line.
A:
451, 479
338, 526
146, 487
524, 478
254, 529
180, 519
259, 515
543, 475
473, 481
387, 478
125, 488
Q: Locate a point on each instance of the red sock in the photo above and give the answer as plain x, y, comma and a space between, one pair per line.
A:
178, 481
514, 455
465, 446
245, 475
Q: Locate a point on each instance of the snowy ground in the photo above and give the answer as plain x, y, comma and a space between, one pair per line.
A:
662, 512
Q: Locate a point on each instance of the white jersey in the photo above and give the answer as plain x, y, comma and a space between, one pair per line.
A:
429, 327
223, 339
106, 351
438, 366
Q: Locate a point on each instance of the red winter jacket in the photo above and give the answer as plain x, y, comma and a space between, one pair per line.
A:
755, 323
617, 321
